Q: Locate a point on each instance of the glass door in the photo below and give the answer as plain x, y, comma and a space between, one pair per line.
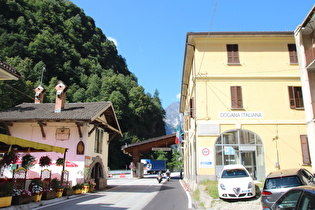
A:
248, 161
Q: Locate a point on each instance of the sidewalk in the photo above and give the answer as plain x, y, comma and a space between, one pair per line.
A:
33, 205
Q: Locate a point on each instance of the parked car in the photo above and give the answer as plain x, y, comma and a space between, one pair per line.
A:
235, 182
301, 198
279, 182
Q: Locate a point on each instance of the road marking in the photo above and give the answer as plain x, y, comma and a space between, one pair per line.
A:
187, 193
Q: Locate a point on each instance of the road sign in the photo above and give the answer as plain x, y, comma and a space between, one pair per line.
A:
161, 149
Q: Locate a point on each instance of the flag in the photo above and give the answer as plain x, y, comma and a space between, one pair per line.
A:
179, 133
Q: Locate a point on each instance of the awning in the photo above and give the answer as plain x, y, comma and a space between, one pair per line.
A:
22, 145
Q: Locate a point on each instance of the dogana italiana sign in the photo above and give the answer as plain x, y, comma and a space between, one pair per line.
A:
243, 115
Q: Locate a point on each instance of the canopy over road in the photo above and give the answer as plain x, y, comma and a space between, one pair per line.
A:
136, 149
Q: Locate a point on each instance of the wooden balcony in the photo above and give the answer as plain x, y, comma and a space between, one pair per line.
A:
310, 57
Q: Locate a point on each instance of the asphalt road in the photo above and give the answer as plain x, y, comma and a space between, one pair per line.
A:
171, 196
129, 193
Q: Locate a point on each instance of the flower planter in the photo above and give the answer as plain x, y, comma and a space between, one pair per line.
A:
5, 201
85, 189
49, 195
67, 192
37, 197
18, 200
59, 193
79, 191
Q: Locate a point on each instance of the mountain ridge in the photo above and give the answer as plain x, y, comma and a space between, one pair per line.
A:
173, 118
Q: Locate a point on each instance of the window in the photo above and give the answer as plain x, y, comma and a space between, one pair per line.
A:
305, 150
236, 97
232, 52
296, 97
80, 148
192, 108
288, 201
98, 140
292, 53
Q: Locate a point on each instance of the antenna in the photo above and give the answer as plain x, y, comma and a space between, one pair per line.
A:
41, 78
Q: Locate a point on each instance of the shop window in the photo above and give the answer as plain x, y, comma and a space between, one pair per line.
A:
292, 54
98, 140
236, 97
232, 53
296, 97
305, 150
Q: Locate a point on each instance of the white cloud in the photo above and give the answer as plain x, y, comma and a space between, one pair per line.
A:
113, 40
178, 96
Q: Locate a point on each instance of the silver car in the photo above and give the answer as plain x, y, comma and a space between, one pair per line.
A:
279, 182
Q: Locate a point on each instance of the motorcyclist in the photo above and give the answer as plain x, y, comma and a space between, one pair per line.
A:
168, 174
159, 176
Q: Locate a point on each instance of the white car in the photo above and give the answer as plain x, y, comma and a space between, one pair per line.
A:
235, 182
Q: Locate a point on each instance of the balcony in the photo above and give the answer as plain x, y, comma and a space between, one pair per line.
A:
310, 56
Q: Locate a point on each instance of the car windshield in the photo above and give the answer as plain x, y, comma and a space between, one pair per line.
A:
282, 182
234, 173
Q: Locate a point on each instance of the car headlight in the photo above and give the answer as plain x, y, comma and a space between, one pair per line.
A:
250, 185
222, 186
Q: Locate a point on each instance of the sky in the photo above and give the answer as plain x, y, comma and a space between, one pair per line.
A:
151, 35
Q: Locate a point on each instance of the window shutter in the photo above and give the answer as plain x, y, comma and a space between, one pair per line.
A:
291, 97
305, 150
192, 108
96, 140
292, 53
101, 141
236, 97
232, 52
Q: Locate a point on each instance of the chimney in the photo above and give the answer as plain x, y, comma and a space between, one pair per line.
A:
39, 94
61, 89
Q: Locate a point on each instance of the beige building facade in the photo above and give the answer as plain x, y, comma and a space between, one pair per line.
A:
242, 102
305, 42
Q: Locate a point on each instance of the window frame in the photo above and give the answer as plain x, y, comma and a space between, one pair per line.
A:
296, 97
232, 54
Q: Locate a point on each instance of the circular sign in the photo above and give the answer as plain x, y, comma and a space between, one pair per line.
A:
205, 151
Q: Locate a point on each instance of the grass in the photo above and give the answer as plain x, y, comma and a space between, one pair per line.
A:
196, 195
211, 188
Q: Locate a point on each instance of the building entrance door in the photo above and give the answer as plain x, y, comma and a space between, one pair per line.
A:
249, 161
240, 146
97, 174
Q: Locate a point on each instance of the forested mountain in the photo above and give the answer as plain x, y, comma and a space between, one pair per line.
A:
58, 36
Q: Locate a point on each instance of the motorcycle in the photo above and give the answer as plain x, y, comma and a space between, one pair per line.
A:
159, 178
168, 176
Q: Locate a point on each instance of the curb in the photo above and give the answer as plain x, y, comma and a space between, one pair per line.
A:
186, 188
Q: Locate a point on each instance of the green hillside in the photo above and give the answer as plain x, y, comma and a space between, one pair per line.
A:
58, 36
